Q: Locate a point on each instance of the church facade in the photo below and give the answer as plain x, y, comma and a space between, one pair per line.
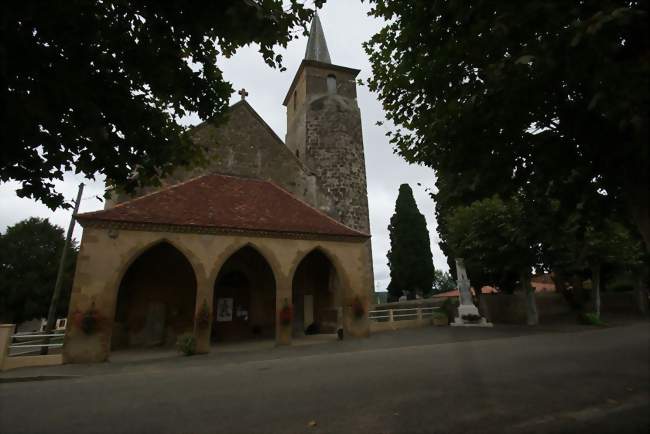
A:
270, 240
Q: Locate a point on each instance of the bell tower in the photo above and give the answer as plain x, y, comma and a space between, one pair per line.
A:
324, 129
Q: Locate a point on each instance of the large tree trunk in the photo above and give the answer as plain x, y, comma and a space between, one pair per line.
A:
595, 288
636, 199
578, 290
532, 318
559, 279
641, 291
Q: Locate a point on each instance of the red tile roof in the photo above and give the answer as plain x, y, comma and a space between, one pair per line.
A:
227, 203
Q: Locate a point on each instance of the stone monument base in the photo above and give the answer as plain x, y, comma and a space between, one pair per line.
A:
469, 309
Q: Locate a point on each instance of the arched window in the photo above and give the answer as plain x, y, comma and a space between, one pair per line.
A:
331, 84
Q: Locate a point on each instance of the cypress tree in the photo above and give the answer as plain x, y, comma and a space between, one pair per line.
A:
409, 259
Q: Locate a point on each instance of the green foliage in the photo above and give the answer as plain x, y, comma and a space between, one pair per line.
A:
186, 344
443, 282
546, 97
409, 259
611, 243
449, 307
493, 236
98, 86
29, 260
591, 318
440, 317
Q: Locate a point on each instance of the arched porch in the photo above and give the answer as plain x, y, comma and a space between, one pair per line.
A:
156, 299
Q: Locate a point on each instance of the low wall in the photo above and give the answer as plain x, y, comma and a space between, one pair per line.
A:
31, 361
511, 308
6, 362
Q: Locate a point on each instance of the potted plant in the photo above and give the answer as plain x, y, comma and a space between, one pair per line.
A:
286, 314
186, 344
358, 310
87, 321
203, 316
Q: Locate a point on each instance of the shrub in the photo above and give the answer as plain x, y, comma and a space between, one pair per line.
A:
590, 318
471, 318
186, 344
448, 307
439, 317
312, 329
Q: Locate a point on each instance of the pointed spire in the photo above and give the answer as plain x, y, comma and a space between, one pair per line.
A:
316, 46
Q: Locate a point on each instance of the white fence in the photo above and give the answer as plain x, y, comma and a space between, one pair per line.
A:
393, 319
31, 343
23, 349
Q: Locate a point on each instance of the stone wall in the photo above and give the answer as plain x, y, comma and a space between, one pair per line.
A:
246, 146
324, 131
105, 257
334, 150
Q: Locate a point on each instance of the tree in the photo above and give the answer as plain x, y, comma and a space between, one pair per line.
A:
611, 244
504, 95
409, 258
98, 86
443, 281
29, 260
494, 237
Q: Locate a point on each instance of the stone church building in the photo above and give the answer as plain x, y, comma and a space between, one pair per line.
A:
270, 240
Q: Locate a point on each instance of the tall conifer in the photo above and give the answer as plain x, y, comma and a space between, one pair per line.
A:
409, 259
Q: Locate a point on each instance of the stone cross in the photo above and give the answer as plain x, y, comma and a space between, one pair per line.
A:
463, 283
243, 93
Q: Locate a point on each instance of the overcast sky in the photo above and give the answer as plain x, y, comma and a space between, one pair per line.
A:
346, 27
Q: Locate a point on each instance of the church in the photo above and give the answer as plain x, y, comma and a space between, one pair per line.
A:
269, 240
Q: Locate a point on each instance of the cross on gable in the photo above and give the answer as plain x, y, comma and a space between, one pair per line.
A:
243, 93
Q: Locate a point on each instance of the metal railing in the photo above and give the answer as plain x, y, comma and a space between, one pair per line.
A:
382, 315
35, 342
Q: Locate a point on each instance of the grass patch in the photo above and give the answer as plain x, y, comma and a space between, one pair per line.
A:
590, 318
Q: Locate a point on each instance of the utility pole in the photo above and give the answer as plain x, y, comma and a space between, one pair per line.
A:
51, 315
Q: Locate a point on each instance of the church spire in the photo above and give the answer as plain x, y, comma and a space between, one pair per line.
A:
316, 46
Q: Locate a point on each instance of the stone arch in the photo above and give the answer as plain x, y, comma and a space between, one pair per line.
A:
317, 293
245, 289
155, 297
135, 253
336, 263
267, 254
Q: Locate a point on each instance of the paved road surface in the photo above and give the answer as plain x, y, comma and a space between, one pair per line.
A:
484, 381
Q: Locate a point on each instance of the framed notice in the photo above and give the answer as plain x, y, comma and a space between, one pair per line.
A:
224, 309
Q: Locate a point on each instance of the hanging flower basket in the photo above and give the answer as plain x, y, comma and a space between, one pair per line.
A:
203, 316
286, 314
88, 321
357, 308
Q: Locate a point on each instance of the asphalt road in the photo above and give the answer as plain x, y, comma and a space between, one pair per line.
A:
500, 381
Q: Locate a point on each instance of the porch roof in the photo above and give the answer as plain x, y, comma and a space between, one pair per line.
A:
227, 204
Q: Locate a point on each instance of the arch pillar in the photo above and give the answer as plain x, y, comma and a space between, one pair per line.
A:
204, 303
283, 297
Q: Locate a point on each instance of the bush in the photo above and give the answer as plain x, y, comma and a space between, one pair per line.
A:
471, 318
186, 344
312, 329
590, 318
439, 317
448, 307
